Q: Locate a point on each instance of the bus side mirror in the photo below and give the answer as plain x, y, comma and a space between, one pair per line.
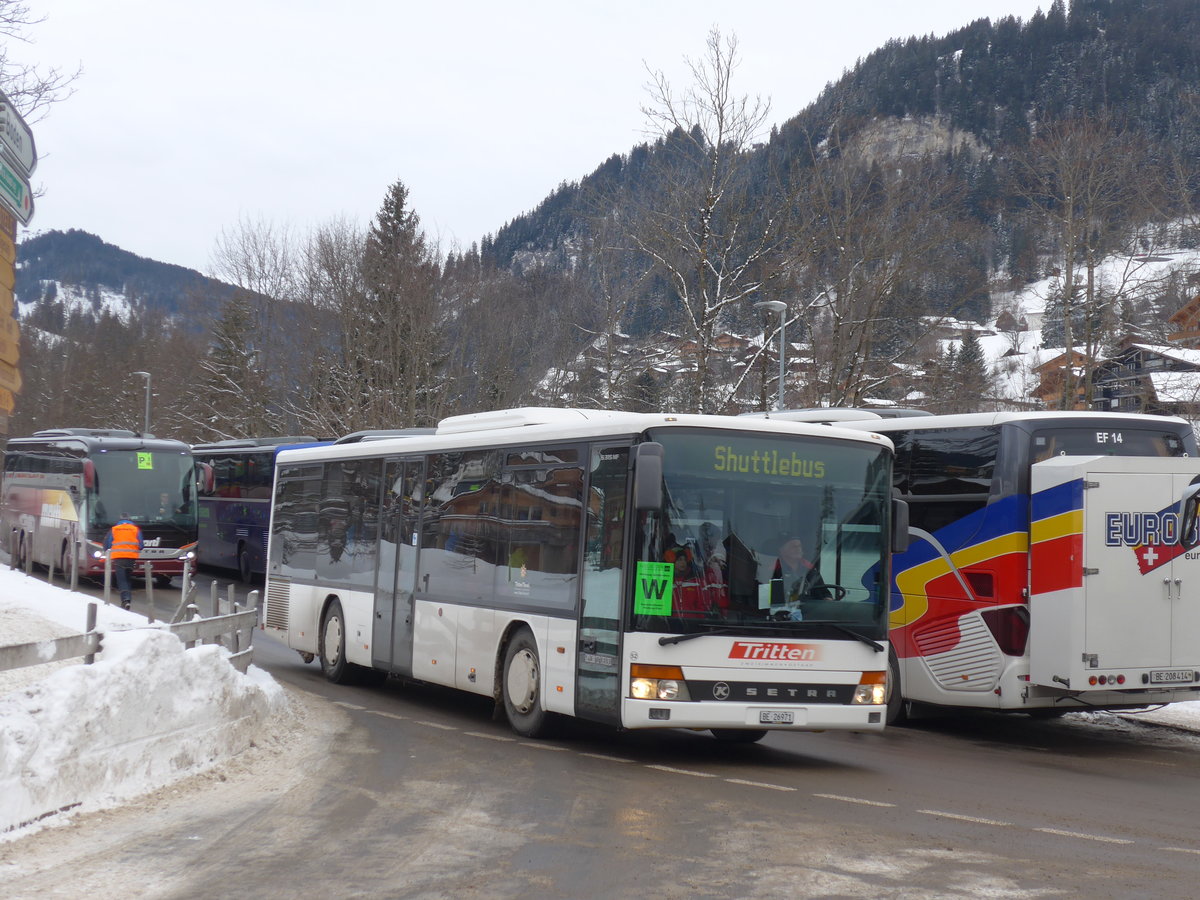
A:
1189, 510
647, 476
900, 535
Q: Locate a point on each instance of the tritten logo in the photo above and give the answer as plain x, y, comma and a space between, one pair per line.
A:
774, 650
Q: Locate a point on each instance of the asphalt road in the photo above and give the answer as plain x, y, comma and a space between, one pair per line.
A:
419, 792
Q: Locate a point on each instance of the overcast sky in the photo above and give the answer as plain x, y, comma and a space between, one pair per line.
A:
192, 117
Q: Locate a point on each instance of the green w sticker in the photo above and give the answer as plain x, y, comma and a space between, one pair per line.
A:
652, 592
145, 460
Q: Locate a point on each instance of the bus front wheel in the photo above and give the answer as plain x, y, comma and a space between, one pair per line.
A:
896, 712
332, 644
522, 686
243, 564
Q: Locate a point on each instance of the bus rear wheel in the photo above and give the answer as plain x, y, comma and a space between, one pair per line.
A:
332, 645
521, 683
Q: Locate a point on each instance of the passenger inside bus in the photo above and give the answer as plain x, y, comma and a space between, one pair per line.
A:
697, 589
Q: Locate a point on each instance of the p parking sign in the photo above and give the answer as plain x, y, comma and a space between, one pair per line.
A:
145, 460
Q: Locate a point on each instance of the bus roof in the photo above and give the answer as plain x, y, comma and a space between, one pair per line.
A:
236, 443
96, 439
547, 425
967, 420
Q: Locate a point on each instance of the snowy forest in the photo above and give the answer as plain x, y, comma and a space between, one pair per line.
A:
937, 176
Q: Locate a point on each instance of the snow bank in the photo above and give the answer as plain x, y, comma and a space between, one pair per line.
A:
78, 738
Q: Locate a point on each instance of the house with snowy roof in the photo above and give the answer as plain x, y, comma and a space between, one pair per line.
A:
1149, 378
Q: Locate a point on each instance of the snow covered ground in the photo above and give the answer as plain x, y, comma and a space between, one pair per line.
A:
147, 713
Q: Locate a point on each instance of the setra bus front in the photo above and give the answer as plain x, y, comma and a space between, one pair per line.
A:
754, 597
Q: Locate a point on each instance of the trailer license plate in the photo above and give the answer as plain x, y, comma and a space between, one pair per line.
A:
776, 717
1172, 676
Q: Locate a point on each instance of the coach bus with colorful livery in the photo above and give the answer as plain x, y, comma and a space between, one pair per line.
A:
64, 488
610, 566
1047, 572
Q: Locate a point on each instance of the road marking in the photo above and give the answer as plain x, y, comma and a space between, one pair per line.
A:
1143, 762
976, 819
347, 705
543, 746
388, 715
490, 737
761, 784
606, 757
1086, 837
1181, 850
675, 771
858, 800
436, 725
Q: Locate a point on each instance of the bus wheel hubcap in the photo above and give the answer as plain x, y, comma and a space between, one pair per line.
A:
333, 639
522, 681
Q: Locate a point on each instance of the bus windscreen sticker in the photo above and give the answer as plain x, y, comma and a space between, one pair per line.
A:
145, 460
652, 594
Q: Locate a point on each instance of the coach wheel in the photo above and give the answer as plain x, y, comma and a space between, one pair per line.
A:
895, 696
739, 735
22, 551
332, 644
64, 559
243, 564
522, 684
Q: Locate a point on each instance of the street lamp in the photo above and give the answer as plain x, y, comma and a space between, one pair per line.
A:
146, 425
780, 307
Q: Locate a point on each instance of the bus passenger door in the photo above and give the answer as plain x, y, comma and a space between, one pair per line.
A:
598, 657
392, 637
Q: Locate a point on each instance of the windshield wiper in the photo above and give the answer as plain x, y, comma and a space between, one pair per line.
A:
858, 636
680, 638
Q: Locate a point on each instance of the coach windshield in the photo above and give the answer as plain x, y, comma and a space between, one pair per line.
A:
148, 487
764, 531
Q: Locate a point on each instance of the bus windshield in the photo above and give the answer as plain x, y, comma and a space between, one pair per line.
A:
143, 486
1103, 439
764, 530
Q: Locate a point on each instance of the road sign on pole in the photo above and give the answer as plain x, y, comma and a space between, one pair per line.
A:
16, 138
15, 192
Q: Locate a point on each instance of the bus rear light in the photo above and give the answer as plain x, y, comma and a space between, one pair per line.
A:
1009, 627
657, 683
1095, 680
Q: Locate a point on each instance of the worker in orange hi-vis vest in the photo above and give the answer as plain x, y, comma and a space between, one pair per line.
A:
124, 546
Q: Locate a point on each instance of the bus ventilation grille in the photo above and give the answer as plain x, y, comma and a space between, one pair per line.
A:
279, 596
961, 654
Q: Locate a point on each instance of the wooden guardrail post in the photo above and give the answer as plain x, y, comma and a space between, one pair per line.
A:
29, 550
91, 626
107, 577
148, 572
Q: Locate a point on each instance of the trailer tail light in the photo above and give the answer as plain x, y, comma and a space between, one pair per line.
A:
1009, 627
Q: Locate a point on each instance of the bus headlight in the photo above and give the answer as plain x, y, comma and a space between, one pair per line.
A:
871, 690
657, 683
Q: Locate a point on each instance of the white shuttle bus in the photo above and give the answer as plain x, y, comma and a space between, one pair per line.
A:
617, 567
